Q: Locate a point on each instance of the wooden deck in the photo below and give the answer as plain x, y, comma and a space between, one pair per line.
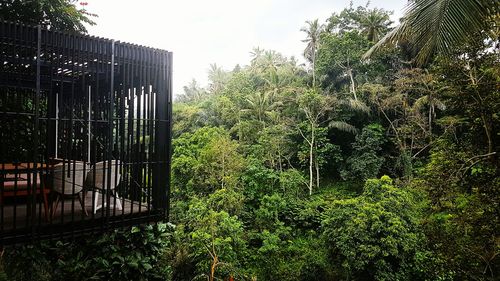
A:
17, 214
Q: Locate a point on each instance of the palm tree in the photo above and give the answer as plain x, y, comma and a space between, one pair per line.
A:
192, 92
313, 31
256, 54
432, 26
318, 108
374, 24
260, 105
217, 77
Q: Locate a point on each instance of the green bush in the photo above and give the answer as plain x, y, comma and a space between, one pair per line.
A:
375, 235
135, 253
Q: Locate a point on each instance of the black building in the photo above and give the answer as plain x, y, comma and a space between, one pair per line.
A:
85, 133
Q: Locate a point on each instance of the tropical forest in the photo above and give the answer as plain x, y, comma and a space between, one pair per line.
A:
373, 157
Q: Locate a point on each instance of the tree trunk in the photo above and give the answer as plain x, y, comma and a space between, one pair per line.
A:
353, 88
215, 261
280, 161
314, 67
240, 133
487, 130
311, 149
223, 170
430, 121
317, 172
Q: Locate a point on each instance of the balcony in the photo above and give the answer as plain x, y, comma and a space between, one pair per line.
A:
85, 133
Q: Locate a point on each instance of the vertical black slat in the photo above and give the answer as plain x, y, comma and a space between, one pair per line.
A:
168, 155
142, 121
93, 117
67, 104
151, 60
71, 124
126, 117
140, 127
138, 163
123, 101
62, 122
73, 130
147, 123
58, 94
103, 95
3, 118
153, 123
61, 147
119, 113
161, 176
130, 114
154, 89
41, 129
45, 128
83, 123
56, 64
89, 88
131, 125
100, 112
27, 93
97, 115
36, 131
110, 128
18, 33
49, 61
3, 40
151, 78
52, 102
116, 119
26, 51
144, 84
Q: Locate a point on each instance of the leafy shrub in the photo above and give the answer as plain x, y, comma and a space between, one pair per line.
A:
365, 161
136, 253
375, 235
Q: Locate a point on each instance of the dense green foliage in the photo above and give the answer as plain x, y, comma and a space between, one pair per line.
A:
350, 169
133, 254
54, 14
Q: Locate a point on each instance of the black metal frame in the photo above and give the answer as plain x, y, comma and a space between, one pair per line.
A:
80, 98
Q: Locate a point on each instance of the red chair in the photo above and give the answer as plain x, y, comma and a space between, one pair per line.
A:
17, 185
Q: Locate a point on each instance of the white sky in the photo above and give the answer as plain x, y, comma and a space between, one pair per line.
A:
200, 32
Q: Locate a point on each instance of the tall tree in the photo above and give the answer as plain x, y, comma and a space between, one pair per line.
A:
313, 31
316, 108
339, 60
373, 23
217, 78
192, 92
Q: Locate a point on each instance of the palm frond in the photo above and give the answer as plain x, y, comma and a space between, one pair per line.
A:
356, 105
437, 25
420, 103
439, 104
343, 126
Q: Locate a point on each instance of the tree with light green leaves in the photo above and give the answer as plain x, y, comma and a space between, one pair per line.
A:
65, 15
377, 235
